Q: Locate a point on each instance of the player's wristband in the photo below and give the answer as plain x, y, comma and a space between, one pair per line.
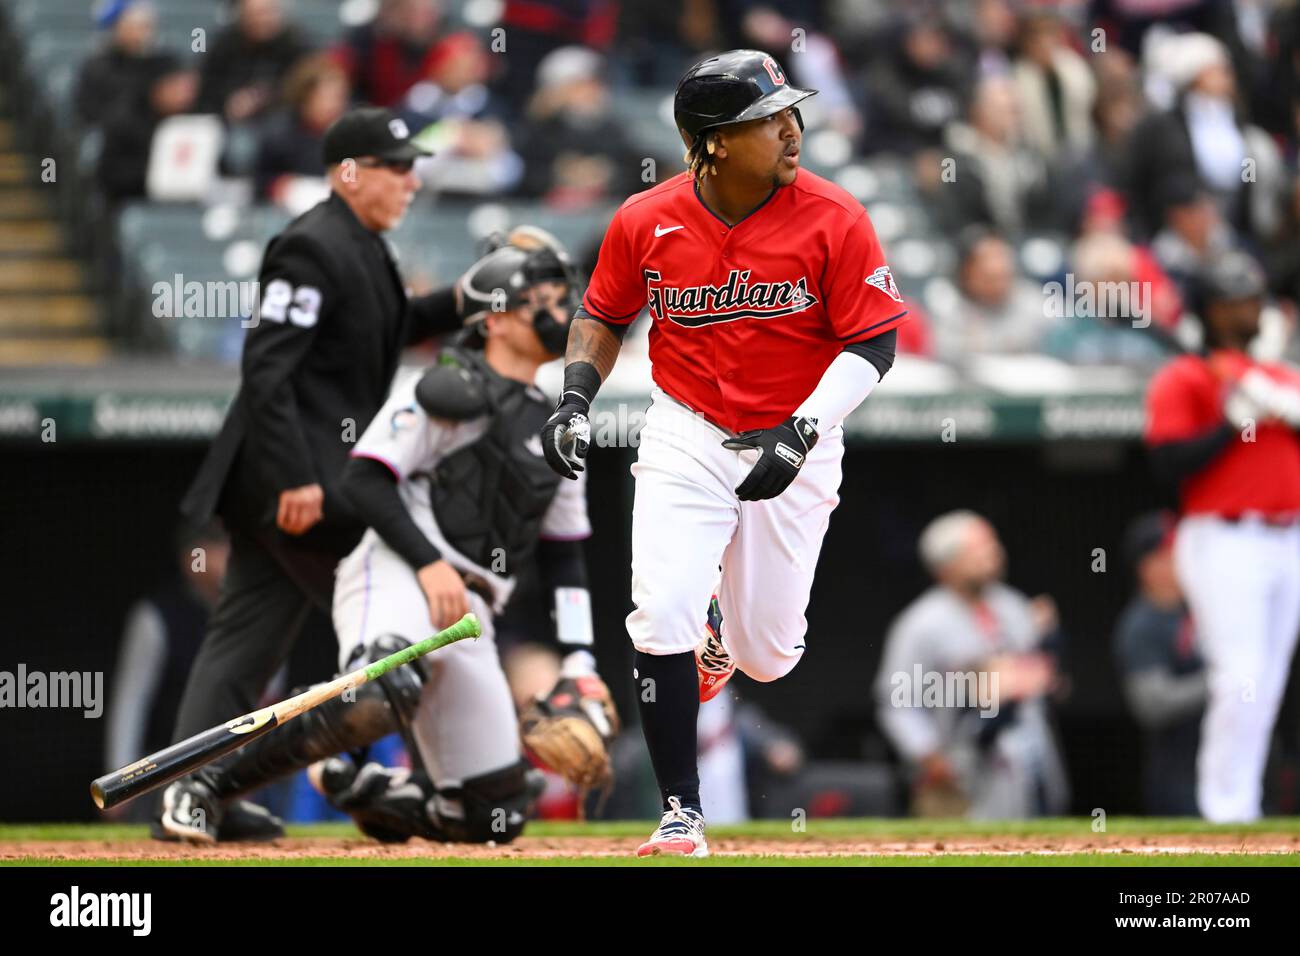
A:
581, 383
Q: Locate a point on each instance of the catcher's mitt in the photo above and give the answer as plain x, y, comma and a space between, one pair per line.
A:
569, 731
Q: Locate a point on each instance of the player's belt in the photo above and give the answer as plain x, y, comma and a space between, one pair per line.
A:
478, 585
1284, 519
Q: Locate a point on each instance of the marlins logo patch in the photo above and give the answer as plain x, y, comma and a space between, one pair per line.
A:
403, 418
883, 281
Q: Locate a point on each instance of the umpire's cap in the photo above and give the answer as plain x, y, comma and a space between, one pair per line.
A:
369, 131
733, 87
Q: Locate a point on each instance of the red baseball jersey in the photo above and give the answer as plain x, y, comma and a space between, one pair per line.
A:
746, 317
1185, 399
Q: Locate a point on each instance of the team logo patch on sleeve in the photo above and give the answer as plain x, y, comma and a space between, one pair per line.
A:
883, 281
402, 419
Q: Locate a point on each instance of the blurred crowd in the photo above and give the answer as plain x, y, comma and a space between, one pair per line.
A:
1145, 139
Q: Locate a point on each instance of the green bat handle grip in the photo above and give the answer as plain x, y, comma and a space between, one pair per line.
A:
467, 626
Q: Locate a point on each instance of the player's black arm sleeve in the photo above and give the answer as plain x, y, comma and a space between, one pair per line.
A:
372, 491
433, 314
879, 350
1173, 461
619, 329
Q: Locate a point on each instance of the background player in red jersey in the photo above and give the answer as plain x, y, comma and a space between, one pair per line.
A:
774, 317
1224, 426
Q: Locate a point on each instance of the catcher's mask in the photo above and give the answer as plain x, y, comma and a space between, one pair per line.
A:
511, 266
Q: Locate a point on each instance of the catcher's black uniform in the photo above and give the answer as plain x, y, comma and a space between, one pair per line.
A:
317, 365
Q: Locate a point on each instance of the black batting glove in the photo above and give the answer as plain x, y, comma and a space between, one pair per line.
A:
566, 436
783, 450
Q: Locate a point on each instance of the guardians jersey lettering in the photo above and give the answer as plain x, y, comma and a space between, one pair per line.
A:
696, 305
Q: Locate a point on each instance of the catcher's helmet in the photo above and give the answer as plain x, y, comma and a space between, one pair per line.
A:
500, 281
733, 87
497, 282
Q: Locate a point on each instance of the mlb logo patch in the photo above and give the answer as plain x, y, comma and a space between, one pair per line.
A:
883, 281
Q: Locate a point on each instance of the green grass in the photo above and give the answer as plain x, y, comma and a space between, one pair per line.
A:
919, 831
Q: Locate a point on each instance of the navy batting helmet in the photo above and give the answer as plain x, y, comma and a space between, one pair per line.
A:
1232, 277
733, 87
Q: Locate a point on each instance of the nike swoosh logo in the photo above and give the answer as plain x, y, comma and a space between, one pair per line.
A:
661, 231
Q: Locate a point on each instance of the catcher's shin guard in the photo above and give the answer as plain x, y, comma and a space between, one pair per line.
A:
393, 804
492, 806
351, 722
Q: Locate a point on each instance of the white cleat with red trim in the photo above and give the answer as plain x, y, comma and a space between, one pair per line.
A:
680, 833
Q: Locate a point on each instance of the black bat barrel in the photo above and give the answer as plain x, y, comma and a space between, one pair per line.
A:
179, 759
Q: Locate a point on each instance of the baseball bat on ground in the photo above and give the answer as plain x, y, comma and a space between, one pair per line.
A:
180, 758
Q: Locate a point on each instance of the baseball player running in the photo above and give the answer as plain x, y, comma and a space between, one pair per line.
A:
773, 318
1224, 426
451, 481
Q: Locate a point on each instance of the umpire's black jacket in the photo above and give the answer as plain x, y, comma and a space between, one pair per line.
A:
317, 366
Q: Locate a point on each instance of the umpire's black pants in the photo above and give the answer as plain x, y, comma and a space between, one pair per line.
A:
268, 591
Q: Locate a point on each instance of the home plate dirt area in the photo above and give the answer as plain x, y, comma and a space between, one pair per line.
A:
1129, 841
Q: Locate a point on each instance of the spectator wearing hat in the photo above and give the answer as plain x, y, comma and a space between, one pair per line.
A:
454, 112
537, 28
576, 151
1203, 137
117, 76
1163, 674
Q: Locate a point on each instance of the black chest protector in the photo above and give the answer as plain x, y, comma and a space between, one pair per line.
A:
490, 497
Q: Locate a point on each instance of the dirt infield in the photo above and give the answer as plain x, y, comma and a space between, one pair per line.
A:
543, 847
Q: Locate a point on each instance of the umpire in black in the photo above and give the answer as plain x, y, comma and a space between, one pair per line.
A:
318, 362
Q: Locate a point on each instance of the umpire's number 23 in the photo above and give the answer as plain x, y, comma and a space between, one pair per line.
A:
301, 306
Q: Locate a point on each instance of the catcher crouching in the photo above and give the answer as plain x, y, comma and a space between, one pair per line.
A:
451, 481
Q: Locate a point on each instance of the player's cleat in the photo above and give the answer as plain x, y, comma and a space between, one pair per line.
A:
712, 662
243, 821
190, 813
680, 833
193, 814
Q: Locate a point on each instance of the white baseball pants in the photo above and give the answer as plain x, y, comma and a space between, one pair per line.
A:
687, 521
1242, 583
465, 725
